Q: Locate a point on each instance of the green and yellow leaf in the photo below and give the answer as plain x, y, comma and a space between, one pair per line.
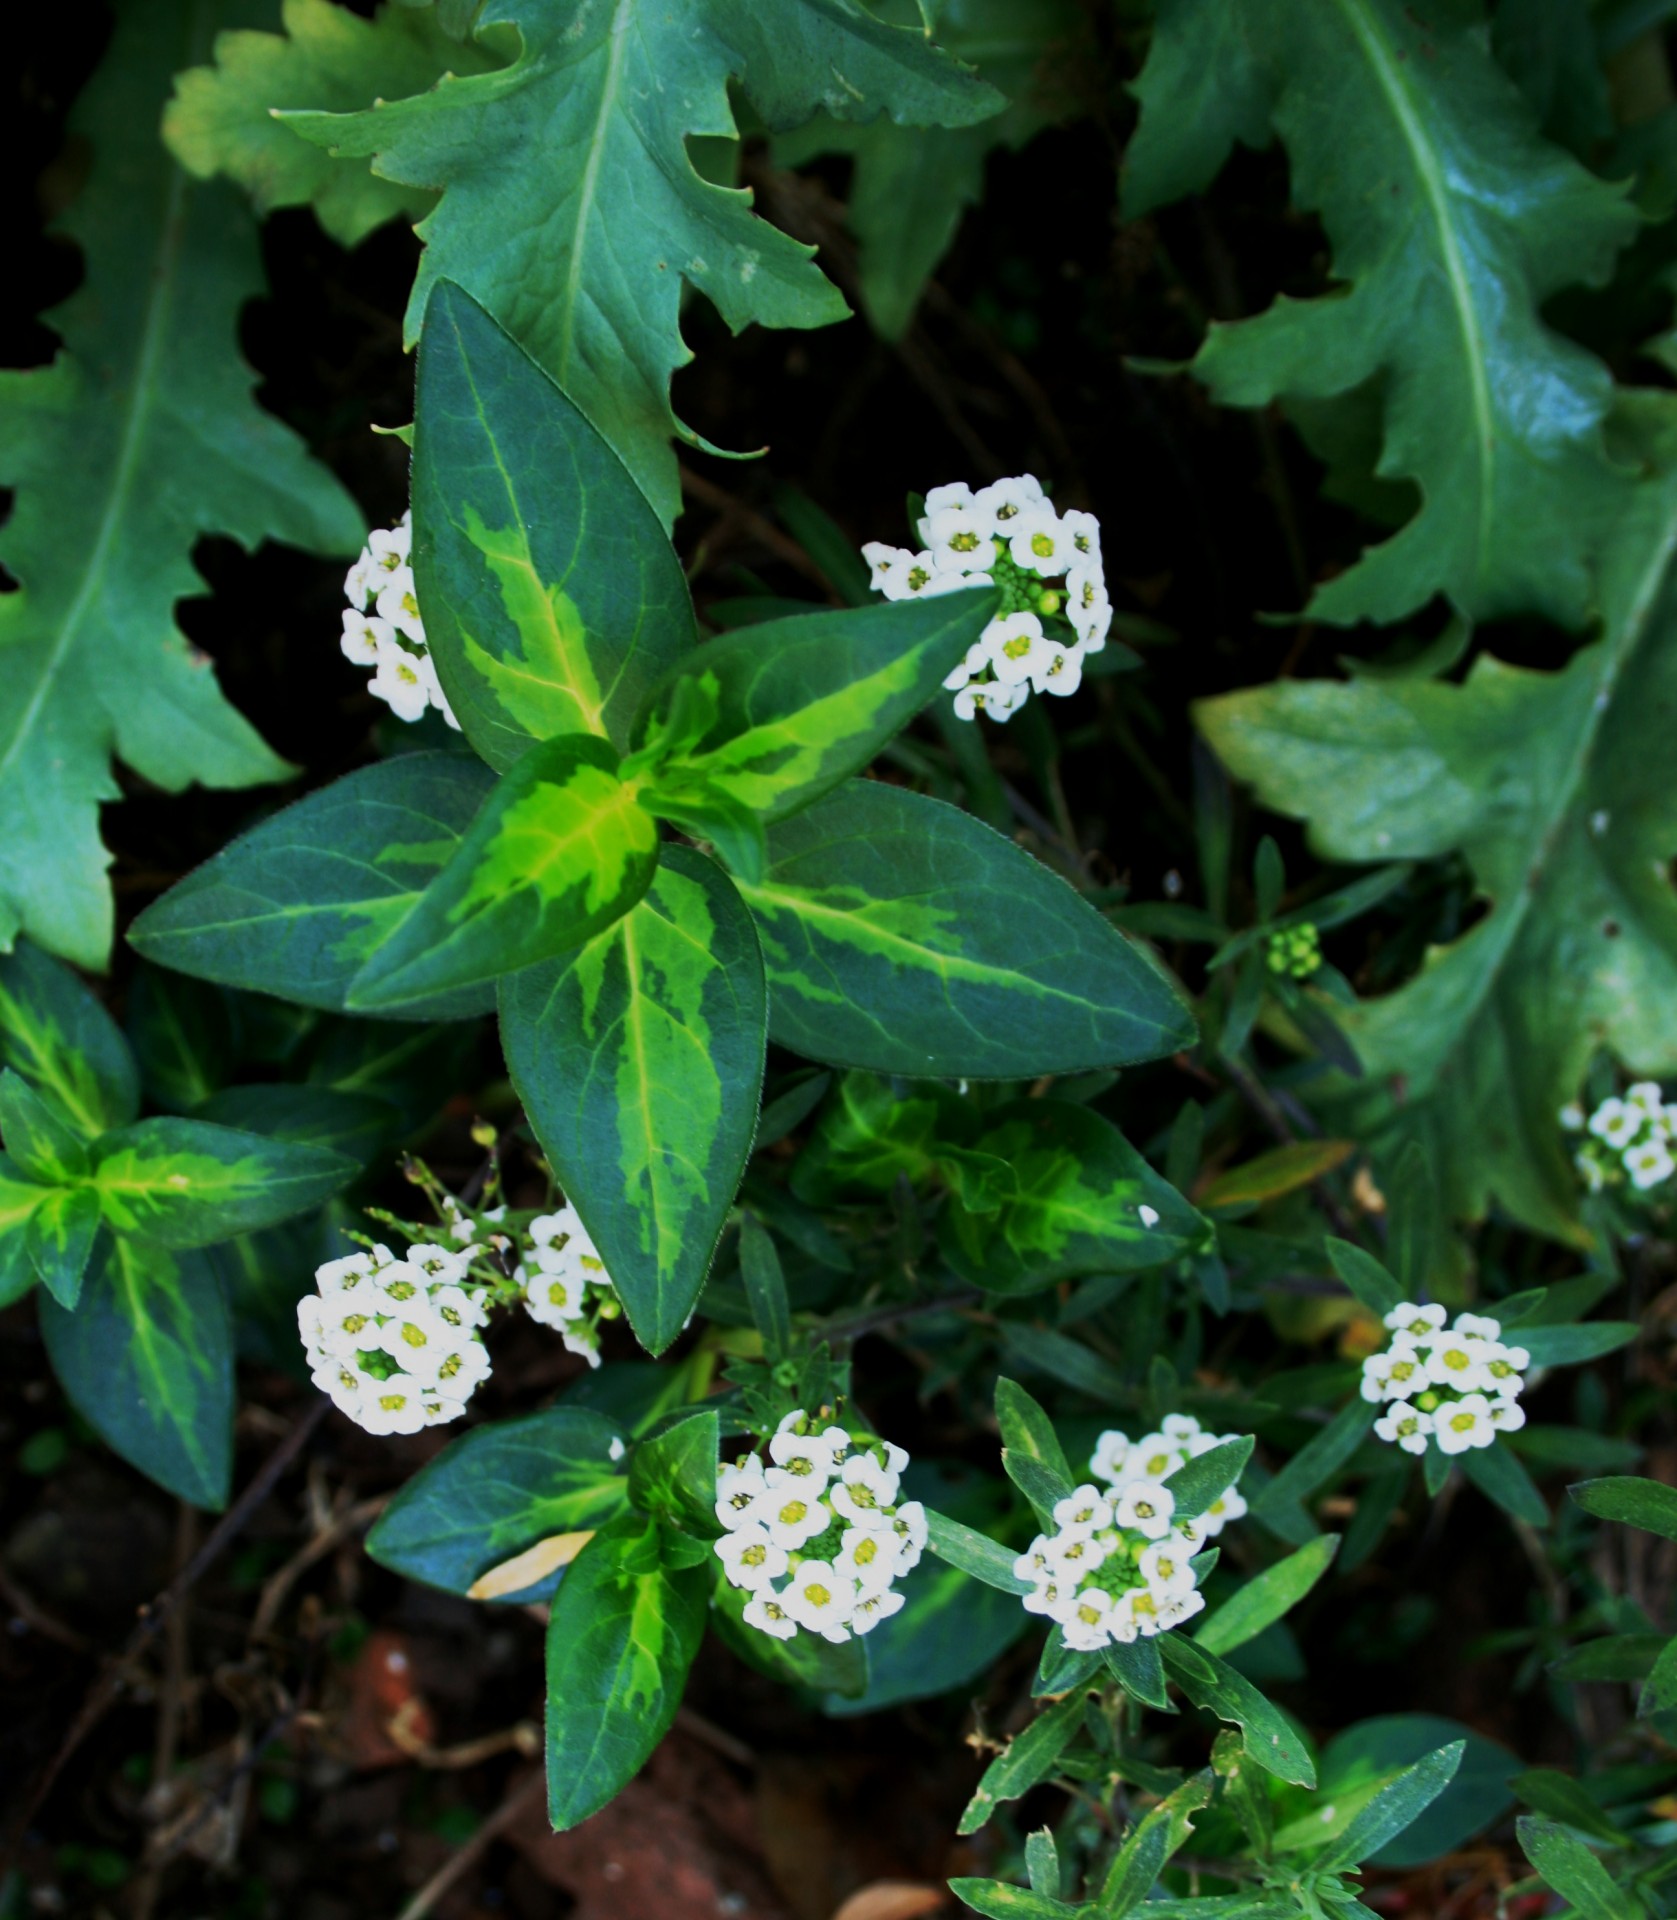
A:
55, 1035
560, 850
639, 1061
295, 907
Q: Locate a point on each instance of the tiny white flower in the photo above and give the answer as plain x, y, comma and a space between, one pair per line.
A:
1049, 1597
822, 1599
417, 1340
1648, 1164
1229, 1505
874, 1606
1121, 1622
348, 1324
791, 1511
1458, 1361
750, 1558
1112, 1452
1165, 1568
1406, 1368
1466, 1424
1005, 500
959, 539
908, 1523
309, 1310
738, 1483
950, 582
896, 1458
911, 578
1039, 543
1406, 1426
886, 564
1085, 1625
955, 493
976, 660
1180, 1607
1593, 1177
1146, 1507
462, 1372
1616, 1123
363, 636
1156, 1455
400, 683
389, 547
616, 1450
1646, 1096
1017, 647
584, 1342
555, 1299
1572, 1117
1083, 530
354, 1270
1035, 1562
1085, 1510
1507, 1415
1063, 674
1506, 1366
767, 1615
1194, 1533
999, 702
1419, 1322
1074, 1554
459, 1310
1479, 1325
399, 604
863, 1488
393, 1406
868, 1558
1149, 1216
363, 580
1145, 1611
1087, 606
804, 1457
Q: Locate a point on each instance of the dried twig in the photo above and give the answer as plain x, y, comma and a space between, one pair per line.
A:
507, 1814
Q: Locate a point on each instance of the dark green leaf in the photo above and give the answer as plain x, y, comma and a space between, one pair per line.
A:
1359, 1762
1260, 1601
639, 1061
1027, 1761
185, 1183
38, 1138
1638, 1503
559, 851
1498, 1475
1393, 1810
1565, 1800
295, 906
623, 1632
1041, 1350
147, 1361
57, 1036
996, 1900
1200, 1482
1618, 1656
1269, 1736
765, 1287
59, 1237
1574, 1872
354, 1125
182, 1034
903, 935
974, 1553
1365, 1276
672, 1472
1139, 1670
1320, 1456
806, 1660
1084, 1197
1571, 1346
497, 1491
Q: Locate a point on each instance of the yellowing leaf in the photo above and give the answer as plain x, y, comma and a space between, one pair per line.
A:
533, 1564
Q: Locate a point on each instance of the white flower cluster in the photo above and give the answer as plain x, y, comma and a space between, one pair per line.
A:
396, 1343
1451, 1387
383, 630
565, 1283
1007, 535
1119, 1564
1629, 1138
818, 1536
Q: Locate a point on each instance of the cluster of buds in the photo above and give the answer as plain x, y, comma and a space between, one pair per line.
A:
1294, 951
1007, 536
1626, 1139
817, 1535
1450, 1387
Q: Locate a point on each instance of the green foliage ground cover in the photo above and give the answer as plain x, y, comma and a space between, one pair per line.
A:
819, 1076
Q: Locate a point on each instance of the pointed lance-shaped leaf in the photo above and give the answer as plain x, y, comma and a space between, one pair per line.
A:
902, 934
55, 1035
186, 1183
147, 1361
59, 1236
639, 1060
295, 906
552, 597
559, 850
801, 703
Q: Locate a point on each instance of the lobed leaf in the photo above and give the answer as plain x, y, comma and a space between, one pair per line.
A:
571, 207
140, 438
1451, 223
